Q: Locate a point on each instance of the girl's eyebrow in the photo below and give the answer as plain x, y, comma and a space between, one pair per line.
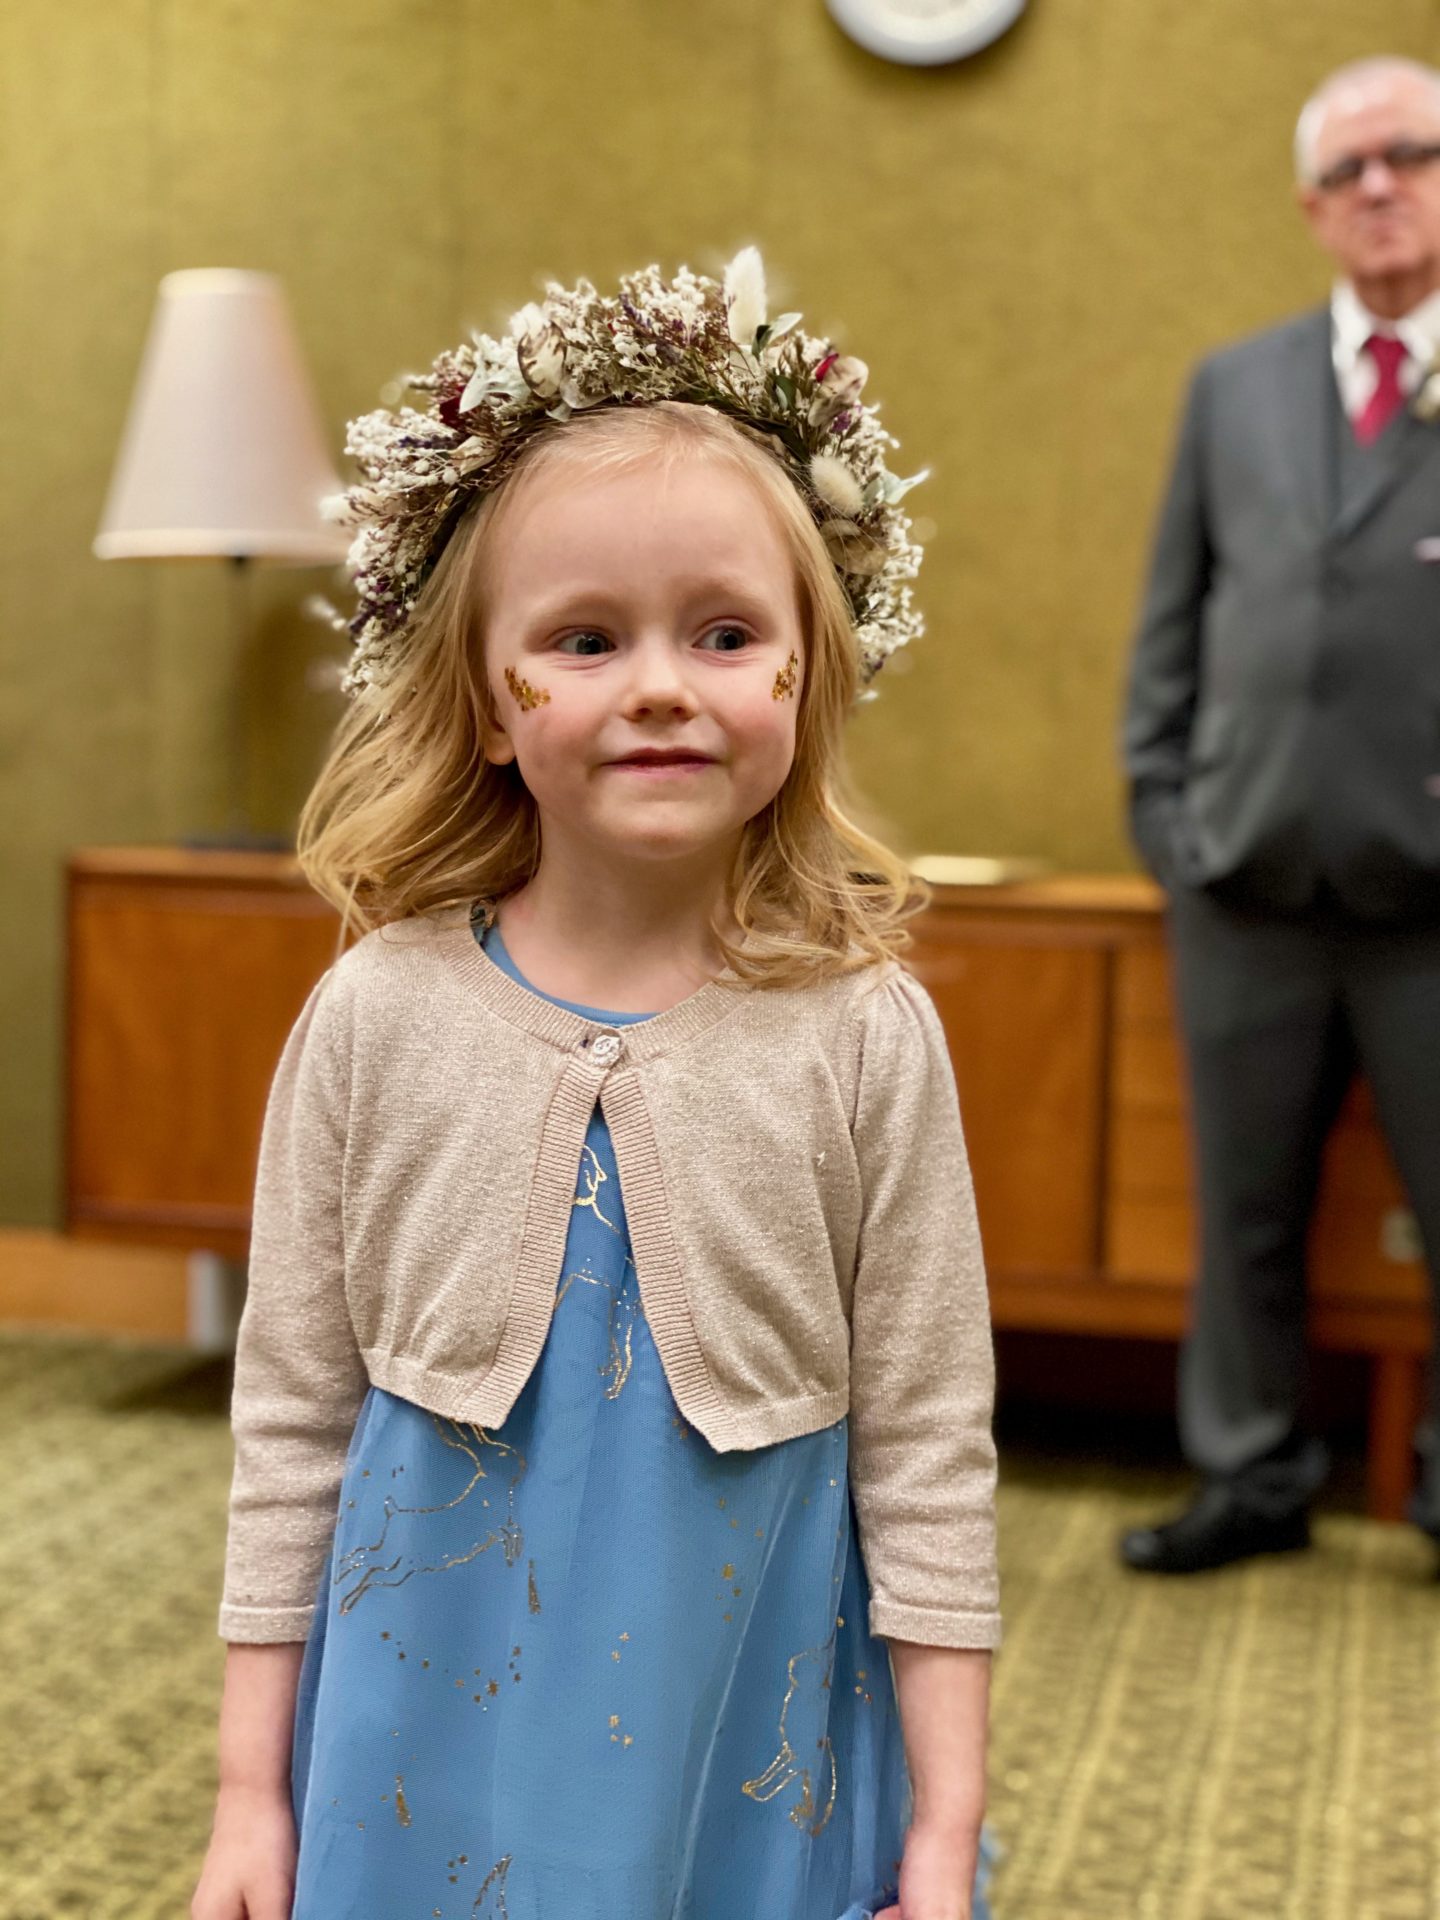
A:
580, 603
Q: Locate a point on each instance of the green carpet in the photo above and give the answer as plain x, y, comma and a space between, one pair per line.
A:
1262, 1744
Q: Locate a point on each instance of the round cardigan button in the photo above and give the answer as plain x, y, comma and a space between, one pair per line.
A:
605, 1048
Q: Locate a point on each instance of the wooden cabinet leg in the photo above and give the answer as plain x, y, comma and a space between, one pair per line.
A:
1395, 1391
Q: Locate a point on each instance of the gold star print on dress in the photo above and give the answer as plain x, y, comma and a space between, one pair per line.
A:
374, 1565
808, 1677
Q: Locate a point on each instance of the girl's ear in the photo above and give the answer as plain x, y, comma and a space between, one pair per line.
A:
498, 747
498, 744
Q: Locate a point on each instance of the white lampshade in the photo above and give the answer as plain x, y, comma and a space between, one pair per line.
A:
223, 450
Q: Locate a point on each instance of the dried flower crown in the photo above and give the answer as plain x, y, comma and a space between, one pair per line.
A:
690, 339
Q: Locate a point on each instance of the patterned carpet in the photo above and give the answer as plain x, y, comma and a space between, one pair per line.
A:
1262, 1744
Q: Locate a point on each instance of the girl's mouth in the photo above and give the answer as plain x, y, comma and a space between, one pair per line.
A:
664, 762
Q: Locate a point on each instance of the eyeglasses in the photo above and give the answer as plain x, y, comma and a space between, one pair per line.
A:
1403, 158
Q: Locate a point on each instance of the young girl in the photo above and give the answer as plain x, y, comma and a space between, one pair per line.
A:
611, 1535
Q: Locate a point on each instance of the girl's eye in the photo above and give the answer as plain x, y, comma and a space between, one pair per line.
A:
584, 644
730, 639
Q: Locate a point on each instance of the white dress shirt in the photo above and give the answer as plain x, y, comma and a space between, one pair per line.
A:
1352, 324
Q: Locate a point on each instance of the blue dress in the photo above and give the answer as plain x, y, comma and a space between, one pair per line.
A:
584, 1667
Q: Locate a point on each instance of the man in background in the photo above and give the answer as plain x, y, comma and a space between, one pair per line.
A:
1282, 739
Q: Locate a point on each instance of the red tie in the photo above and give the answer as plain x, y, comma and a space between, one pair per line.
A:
1385, 402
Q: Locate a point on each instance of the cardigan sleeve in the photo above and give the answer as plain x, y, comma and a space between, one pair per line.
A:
299, 1376
921, 1363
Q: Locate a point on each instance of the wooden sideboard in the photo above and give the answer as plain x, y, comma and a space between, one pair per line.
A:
187, 969
1055, 996
186, 972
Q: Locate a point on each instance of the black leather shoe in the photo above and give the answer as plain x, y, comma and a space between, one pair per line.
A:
1214, 1530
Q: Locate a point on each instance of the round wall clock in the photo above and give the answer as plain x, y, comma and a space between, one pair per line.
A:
925, 33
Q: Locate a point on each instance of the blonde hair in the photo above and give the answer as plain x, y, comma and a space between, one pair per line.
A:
408, 816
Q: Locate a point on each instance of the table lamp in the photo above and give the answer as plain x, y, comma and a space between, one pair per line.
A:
223, 453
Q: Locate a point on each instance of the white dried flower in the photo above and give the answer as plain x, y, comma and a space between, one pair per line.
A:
539, 350
852, 549
836, 485
745, 296
317, 607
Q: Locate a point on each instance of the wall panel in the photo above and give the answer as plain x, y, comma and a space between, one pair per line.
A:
1029, 249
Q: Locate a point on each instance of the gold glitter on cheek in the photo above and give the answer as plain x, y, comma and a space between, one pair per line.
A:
534, 1591
402, 1810
527, 697
784, 687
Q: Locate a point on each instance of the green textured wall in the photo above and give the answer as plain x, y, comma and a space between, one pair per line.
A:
1028, 249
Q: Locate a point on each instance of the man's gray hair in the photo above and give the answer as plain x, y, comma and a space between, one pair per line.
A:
1355, 74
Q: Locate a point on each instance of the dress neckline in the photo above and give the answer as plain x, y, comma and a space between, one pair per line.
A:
492, 944
451, 937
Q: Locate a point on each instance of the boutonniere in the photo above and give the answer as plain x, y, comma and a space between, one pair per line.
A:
1426, 404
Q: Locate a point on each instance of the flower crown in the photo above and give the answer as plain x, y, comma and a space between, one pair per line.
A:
689, 339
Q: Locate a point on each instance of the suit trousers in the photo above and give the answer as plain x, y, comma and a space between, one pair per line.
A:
1277, 1012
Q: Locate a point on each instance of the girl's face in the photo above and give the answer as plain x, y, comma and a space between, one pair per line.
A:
644, 651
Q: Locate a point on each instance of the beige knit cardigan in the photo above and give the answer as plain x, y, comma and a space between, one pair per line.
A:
800, 1211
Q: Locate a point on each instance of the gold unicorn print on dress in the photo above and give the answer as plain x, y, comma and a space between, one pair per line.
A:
527, 698
808, 1677
625, 1304
375, 1565
785, 680
625, 1309
490, 1900
592, 1178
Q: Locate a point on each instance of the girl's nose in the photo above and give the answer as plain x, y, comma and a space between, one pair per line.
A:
657, 681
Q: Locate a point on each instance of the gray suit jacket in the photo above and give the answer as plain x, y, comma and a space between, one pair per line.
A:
1282, 729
